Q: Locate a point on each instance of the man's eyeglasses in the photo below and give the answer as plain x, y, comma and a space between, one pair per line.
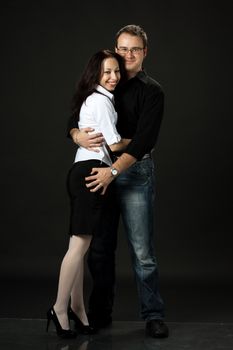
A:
133, 50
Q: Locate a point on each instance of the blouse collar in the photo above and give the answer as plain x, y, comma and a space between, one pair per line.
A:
104, 91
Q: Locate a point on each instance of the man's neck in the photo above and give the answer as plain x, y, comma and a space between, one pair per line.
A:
131, 75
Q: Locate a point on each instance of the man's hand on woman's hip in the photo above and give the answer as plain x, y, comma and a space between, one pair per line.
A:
82, 137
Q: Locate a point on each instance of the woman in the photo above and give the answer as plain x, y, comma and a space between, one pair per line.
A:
93, 105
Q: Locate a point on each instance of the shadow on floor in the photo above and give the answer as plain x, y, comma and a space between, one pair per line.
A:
30, 334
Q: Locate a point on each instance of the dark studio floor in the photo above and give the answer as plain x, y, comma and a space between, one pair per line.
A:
199, 316
28, 334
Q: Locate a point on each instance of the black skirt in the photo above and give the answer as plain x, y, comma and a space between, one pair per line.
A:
86, 208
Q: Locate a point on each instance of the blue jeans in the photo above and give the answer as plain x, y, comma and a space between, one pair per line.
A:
135, 189
132, 196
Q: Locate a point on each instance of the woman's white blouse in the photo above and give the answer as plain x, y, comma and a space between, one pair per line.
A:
98, 112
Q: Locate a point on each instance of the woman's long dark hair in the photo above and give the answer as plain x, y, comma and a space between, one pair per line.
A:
90, 78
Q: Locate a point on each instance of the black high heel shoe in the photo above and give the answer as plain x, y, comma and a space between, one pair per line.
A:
63, 333
79, 326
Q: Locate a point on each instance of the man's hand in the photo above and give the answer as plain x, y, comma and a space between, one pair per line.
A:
89, 141
100, 178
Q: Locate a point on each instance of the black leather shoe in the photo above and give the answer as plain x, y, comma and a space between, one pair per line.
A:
157, 329
99, 322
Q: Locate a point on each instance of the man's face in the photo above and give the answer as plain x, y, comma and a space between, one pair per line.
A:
130, 47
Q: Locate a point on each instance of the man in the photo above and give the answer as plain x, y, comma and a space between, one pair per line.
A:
139, 103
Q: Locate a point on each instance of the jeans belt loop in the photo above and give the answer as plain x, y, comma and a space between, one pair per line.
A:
147, 155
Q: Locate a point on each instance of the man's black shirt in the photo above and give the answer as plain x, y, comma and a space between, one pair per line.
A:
139, 103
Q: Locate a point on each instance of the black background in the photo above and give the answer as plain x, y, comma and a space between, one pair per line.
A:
44, 47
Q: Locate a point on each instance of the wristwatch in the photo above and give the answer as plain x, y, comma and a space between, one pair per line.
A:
114, 171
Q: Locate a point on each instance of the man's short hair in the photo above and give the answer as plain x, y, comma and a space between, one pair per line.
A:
134, 30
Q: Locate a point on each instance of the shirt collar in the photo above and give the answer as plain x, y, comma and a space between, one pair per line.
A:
141, 75
105, 92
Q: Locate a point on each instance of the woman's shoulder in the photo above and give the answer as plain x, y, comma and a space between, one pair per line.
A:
100, 99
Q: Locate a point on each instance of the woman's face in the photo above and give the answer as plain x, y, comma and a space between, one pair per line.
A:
110, 74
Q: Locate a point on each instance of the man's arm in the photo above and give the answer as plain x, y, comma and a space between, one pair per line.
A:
81, 137
120, 146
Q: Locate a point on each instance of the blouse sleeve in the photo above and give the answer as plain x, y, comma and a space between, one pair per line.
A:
106, 118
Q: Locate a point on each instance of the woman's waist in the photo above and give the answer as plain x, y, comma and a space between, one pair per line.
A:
84, 154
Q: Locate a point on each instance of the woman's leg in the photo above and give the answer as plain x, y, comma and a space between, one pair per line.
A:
77, 300
71, 266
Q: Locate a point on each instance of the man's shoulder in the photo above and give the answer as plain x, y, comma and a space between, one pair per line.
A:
149, 82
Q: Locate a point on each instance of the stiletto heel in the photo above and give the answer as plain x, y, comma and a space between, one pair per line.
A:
48, 323
63, 333
79, 326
